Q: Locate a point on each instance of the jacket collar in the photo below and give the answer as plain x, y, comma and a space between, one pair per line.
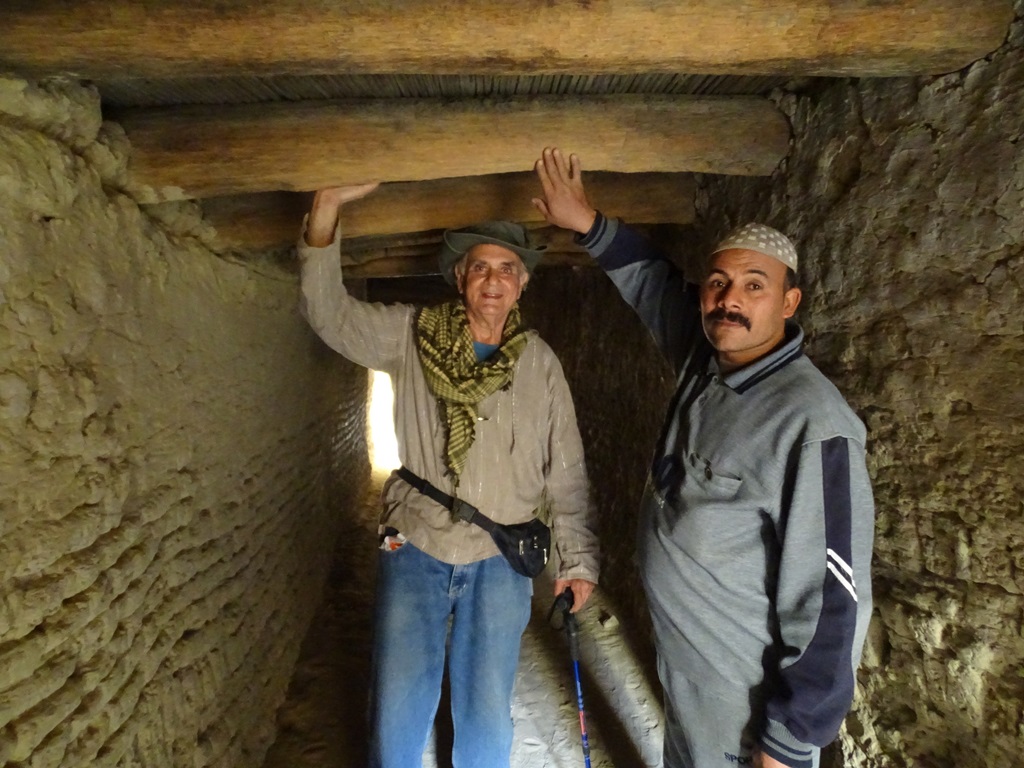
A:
746, 377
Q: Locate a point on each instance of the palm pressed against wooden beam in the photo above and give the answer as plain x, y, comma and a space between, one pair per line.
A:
203, 152
127, 38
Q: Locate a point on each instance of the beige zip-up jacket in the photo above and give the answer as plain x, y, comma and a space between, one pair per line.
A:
527, 453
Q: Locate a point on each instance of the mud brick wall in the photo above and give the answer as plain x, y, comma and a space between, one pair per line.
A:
177, 452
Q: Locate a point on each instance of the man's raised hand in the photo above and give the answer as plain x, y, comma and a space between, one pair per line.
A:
564, 202
323, 218
337, 196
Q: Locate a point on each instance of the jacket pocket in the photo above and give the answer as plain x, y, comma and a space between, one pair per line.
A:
693, 480
703, 512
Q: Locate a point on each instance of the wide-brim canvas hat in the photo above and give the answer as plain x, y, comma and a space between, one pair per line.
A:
507, 234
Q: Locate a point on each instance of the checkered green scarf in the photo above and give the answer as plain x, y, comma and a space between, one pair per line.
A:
456, 378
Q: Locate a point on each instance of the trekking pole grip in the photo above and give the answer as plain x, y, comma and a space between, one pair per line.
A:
572, 628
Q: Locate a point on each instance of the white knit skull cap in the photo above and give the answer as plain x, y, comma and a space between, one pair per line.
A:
763, 239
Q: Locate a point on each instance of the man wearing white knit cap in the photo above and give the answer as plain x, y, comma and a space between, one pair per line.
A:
755, 537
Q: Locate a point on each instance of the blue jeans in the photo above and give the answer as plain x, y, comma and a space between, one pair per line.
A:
489, 606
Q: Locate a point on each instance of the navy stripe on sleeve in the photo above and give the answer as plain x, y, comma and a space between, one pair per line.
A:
597, 231
785, 754
820, 684
626, 247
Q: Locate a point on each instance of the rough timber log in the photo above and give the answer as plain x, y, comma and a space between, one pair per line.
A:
203, 152
394, 258
272, 219
163, 38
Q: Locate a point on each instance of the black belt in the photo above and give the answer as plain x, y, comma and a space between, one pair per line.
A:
524, 545
461, 510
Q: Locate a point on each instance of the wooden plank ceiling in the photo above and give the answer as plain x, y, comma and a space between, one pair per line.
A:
247, 105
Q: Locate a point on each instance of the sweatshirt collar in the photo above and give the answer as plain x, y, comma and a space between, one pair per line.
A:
746, 377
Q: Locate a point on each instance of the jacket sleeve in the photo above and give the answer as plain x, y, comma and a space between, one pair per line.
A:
372, 335
822, 599
567, 488
656, 290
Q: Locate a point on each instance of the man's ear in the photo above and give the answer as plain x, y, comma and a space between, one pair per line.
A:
790, 301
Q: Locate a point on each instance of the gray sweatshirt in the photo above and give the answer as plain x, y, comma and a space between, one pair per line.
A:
756, 538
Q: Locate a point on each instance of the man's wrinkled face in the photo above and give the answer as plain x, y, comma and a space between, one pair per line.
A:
744, 305
491, 280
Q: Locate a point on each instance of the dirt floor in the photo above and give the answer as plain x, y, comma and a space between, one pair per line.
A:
322, 725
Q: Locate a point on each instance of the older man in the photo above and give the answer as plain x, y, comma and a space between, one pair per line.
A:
483, 414
757, 522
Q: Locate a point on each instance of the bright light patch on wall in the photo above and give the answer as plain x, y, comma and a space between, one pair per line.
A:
381, 424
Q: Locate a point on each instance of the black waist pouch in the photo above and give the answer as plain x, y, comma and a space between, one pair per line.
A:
526, 546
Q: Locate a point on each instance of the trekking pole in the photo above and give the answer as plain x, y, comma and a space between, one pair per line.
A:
572, 629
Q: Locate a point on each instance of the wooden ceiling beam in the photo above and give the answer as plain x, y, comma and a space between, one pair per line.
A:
272, 219
99, 39
388, 260
416, 255
203, 152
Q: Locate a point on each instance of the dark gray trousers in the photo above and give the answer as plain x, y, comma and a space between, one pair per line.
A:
709, 726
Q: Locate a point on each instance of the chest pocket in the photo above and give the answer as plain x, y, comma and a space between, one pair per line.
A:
705, 515
694, 482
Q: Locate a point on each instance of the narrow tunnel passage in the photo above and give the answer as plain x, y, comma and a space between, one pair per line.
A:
176, 442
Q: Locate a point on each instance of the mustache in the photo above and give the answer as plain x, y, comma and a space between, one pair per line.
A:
718, 313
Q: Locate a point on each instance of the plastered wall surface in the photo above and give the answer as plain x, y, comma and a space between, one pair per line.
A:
906, 200
177, 449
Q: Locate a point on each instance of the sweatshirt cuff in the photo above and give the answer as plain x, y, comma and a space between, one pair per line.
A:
778, 742
600, 236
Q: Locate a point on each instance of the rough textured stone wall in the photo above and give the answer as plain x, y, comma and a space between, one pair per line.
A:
906, 199
176, 450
